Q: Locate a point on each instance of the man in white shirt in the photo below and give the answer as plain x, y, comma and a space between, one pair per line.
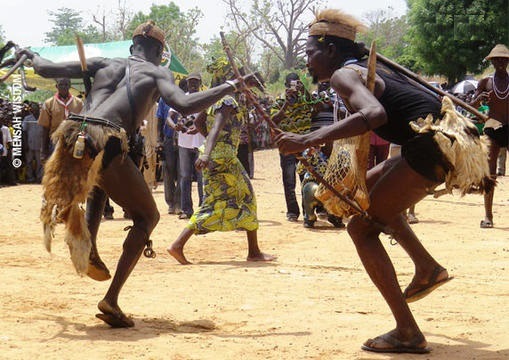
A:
6, 172
188, 145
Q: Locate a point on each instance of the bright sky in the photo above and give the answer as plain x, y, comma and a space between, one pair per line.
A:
26, 21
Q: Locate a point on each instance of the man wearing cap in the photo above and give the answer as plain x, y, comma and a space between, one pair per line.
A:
494, 92
91, 149
188, 144
397, 183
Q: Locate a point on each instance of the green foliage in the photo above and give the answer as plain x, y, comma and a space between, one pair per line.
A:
66, 24
39, 96
179, 27
453, 37
388, 32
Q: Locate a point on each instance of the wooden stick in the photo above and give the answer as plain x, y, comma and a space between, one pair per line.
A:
259, 109
421, 81
84, 69
242, 86
370, 79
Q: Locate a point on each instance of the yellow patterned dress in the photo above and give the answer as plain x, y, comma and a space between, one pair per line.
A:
229, 202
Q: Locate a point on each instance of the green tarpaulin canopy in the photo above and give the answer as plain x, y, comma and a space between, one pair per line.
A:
107, 50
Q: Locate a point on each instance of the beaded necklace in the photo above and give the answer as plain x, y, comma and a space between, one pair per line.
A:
502, 95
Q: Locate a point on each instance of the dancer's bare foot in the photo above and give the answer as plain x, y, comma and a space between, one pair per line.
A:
261, 257
421, 287
113, 316
97, 270
178, 254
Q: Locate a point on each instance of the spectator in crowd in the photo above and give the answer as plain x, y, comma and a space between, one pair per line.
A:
494, 92
378, 150
292, 113
55, 110
32, 136
188, 144
168, 139
6, 171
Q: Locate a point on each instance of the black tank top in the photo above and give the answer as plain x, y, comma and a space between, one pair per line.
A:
404, 102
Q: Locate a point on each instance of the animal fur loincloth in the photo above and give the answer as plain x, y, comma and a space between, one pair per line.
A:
67, 182
460, 143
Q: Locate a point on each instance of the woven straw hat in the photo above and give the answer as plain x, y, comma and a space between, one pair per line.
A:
499, 51
150, 29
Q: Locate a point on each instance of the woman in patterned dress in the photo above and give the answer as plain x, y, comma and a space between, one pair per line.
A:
229, 202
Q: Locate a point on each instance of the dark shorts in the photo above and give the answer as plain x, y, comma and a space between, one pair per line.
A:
500, 135
113, 148
424, 156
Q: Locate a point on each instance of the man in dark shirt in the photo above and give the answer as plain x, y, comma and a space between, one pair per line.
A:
395, 184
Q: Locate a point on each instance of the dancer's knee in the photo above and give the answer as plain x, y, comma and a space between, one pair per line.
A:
146, 220
360, 229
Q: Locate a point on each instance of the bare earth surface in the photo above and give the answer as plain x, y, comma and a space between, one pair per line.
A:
314, 302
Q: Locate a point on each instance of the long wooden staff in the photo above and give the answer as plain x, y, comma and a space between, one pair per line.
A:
242, 86
421, 81
259, 109
84, 69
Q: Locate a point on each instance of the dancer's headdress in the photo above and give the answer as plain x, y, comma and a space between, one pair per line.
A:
333, 22
151, 30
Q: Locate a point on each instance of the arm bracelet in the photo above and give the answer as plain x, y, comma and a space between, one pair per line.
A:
365, 120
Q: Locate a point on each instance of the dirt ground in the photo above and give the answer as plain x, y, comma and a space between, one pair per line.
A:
314, 302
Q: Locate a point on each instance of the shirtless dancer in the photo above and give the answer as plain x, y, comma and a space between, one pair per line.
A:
494, 91
122, 93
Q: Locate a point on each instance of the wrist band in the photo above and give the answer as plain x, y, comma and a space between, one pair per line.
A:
232, 84
365, 120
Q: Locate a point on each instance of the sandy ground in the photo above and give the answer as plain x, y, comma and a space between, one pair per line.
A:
315, 302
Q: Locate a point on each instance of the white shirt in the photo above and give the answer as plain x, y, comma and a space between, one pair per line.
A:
6, 134
189, 141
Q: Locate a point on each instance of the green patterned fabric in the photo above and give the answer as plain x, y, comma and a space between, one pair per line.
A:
297, 116
229, 202
318, 161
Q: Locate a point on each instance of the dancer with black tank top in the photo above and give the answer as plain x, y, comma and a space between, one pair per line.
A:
395, 184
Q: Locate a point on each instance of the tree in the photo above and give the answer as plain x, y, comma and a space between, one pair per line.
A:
179, 27
66, 24
388, 32
452, 37
123, 19
280, 26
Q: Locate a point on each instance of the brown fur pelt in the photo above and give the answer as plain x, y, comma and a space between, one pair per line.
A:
66, 184
460, 143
